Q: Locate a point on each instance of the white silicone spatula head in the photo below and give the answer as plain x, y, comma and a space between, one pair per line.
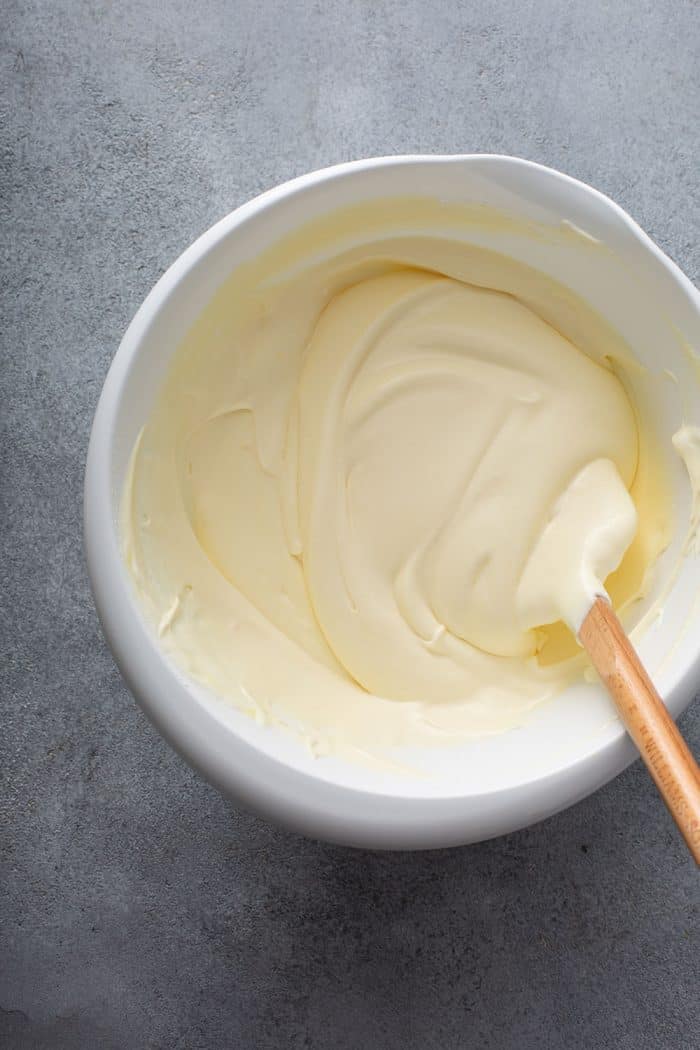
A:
591, 526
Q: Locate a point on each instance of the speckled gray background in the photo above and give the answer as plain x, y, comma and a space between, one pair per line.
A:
138, 908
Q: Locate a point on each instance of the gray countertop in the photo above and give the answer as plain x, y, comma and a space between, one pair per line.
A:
138, 908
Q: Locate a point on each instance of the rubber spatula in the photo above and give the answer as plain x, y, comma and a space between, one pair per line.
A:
585, 539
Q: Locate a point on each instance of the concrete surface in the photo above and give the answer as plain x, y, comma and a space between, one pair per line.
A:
139, 909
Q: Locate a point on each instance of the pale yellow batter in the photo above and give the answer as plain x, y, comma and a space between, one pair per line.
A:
383, 461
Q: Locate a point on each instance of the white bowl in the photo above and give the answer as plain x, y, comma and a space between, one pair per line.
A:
570, 746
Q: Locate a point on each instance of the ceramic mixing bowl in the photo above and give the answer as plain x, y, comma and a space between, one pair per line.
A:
570, 746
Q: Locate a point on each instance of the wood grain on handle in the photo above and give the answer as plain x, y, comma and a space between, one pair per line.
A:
644, 713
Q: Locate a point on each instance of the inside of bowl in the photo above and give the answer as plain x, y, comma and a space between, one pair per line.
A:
629, 283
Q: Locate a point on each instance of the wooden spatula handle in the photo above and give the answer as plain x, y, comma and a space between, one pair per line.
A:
644, 713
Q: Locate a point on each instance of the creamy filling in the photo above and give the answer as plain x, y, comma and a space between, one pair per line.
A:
381, 471
430, 424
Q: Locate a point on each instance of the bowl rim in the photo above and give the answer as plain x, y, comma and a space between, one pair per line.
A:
264, 783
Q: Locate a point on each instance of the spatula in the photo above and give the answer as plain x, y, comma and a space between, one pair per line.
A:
590, 529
